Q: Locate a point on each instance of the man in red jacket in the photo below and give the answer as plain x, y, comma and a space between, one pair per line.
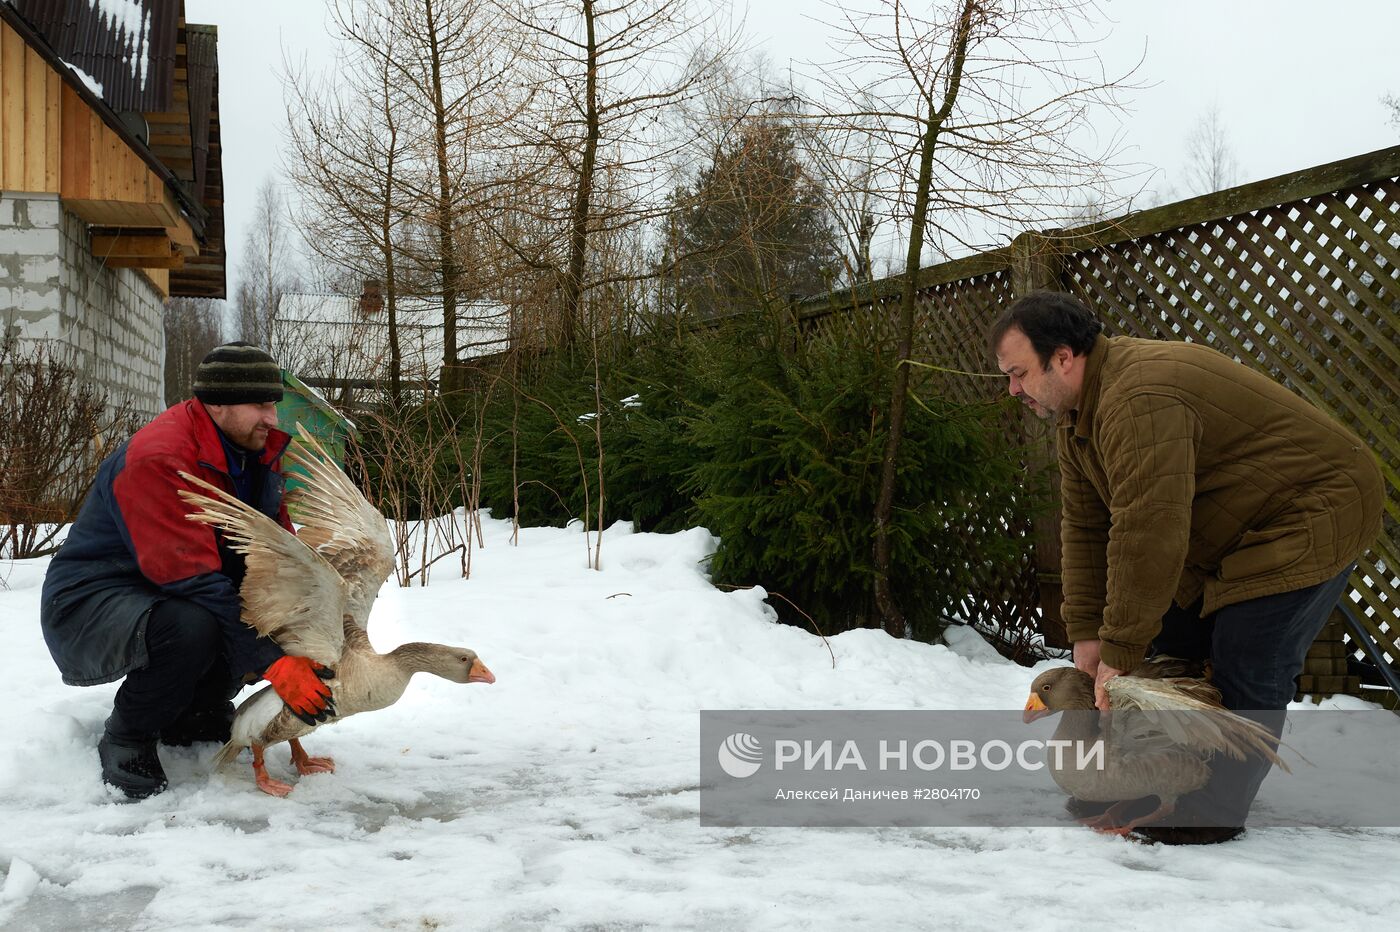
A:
139, 592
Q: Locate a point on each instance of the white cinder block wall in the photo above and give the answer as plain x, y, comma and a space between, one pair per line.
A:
52, 288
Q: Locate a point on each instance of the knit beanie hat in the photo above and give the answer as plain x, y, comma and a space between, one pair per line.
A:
237, 373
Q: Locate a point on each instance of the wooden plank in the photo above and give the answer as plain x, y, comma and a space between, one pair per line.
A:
114, 213
159, 120
35, 111
101, 159
1290, 237
1376, 232
4, 124
132, 245
81, 143
159, 279
53, 124
141, 177
96, 157
1282, 189
182, 238
1258, 299
112, 166
70, 142
12, 50
133, 262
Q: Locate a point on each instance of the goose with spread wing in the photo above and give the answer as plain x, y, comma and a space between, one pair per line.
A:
1155, 750
312, 593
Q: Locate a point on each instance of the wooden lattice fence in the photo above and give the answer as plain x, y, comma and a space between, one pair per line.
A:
1298, 276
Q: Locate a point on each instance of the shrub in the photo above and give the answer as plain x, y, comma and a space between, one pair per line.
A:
54, 432
775, 445
787, 474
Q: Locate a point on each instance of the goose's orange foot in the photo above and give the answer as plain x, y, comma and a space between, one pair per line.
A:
270, 786
306, 764
1108, 823
265, 783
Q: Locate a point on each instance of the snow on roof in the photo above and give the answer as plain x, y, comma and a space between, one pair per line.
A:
92, 83
130, 19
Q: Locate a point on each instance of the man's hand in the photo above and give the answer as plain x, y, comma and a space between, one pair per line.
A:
299, 682
1105, 674
1086, 656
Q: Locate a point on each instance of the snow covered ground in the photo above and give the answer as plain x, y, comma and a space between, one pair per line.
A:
565, 797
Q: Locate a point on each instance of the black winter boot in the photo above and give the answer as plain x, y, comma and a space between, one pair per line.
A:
1190, 834
130, 763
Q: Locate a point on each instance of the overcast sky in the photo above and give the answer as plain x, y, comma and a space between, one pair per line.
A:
1296, 83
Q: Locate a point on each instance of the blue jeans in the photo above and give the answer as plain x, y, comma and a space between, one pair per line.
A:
1256, 649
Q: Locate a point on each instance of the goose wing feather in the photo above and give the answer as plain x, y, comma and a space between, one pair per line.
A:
1209, 727
340, 524
290, 593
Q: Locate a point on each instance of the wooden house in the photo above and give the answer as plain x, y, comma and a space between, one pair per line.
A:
111, 192
339, 343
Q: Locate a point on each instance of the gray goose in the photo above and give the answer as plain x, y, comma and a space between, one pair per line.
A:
1166, 755
311, 593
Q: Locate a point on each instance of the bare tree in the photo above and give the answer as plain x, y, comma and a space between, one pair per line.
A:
845, 157
602, 78
346, 156
1392, 105
974, 112
454, 63
268, 265
191, 330
1210, 159
394, 154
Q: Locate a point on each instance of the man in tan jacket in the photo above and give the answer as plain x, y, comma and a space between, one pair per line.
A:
1207, 510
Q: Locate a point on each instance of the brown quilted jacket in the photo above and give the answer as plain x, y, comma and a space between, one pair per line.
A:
1184, 473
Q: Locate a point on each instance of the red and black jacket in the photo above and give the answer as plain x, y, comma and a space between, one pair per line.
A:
132, 547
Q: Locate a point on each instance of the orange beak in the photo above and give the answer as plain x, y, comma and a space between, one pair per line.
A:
479, 674
1034, 709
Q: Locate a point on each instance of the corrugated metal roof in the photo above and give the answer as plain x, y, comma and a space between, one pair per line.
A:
204, 275
201, 69
127, 46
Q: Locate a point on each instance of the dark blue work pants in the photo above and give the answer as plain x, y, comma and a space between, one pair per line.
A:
185, 671
1256, 649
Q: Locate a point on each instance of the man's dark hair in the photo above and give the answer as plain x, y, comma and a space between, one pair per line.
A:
1050, 319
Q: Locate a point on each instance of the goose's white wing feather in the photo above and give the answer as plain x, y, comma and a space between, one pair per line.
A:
340, 524
1188, 713
290, 593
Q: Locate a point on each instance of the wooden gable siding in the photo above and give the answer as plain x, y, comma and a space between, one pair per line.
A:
103, 180
30, 109
53, 142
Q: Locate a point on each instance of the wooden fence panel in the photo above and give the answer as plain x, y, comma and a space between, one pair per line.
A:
1298, 276
1307, 292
